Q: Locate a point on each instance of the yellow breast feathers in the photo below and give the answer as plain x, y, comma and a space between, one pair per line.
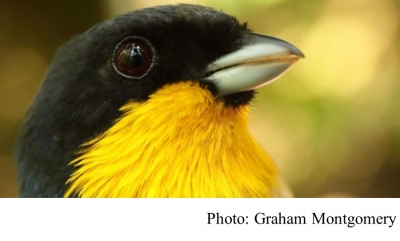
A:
181, 142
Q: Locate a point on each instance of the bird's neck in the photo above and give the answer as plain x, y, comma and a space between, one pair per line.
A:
180, 143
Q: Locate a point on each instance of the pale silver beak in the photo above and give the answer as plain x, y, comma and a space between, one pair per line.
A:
261, 60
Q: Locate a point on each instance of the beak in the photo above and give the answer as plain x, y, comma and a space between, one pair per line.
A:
259, 61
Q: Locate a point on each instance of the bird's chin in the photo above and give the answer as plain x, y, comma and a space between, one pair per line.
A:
234, 100
238, 99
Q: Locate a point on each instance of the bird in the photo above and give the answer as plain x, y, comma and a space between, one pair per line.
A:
153, 103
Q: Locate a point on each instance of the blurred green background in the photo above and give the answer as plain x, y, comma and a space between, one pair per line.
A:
332, 123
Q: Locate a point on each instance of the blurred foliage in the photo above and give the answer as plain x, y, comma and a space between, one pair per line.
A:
332, 122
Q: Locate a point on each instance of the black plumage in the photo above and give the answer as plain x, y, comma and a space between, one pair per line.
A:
82, 93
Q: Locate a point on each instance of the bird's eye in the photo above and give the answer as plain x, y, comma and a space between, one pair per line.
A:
133, 57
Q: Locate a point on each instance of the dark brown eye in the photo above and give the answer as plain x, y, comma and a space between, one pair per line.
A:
133, 57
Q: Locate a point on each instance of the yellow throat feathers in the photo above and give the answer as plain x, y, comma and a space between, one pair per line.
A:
181, 142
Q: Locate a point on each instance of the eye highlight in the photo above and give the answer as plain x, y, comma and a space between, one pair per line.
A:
133, 57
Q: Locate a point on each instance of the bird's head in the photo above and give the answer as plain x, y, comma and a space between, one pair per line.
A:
143, 97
